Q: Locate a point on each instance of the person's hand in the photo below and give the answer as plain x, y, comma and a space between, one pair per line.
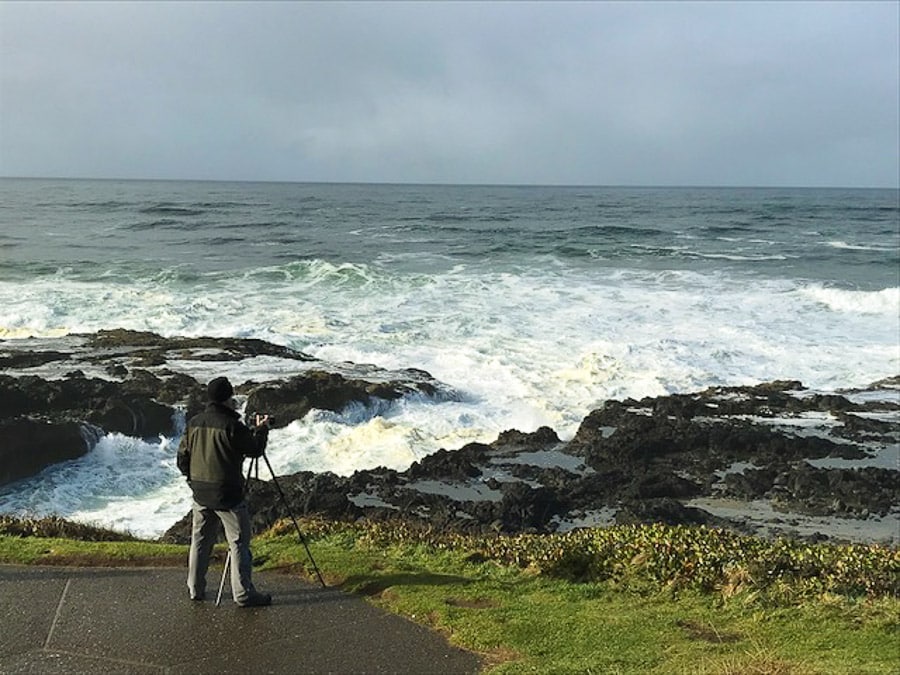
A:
262, 420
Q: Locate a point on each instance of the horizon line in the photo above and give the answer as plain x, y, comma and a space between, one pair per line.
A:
451, 184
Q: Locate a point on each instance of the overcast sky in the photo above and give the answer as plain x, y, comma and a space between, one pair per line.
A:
599, 93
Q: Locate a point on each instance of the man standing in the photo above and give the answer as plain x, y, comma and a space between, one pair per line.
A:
211, 456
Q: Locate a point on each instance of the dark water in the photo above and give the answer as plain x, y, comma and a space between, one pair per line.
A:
849, 238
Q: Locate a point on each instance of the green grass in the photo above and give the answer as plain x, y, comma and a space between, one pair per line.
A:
530, 616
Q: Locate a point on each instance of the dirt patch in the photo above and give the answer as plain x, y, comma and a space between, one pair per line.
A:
499, 656
706, 632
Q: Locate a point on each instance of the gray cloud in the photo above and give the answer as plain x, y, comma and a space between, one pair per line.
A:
598, 93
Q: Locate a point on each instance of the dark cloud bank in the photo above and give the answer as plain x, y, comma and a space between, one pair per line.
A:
554, 93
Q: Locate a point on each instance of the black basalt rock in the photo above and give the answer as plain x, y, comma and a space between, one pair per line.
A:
445, 464
141, 396
648, 460
293, 398
527, 509
31, 445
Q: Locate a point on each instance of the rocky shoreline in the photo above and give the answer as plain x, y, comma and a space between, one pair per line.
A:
768, 459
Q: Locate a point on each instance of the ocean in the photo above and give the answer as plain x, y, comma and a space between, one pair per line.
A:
535, 304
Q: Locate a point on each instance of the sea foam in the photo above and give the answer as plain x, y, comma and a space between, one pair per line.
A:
885, 302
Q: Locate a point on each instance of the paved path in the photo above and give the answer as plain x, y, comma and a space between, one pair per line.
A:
140, 620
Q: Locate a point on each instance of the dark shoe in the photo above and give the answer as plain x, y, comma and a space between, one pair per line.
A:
198, 598
257, 600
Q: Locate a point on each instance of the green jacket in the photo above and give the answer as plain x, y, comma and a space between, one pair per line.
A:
211, 455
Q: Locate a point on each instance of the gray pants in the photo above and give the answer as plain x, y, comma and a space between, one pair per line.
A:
237, 533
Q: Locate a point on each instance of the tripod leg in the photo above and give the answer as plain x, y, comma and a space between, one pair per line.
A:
294, 520
224, 573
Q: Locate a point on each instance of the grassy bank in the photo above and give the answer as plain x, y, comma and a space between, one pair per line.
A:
629, 600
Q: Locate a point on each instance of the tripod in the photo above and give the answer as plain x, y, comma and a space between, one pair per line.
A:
254, 466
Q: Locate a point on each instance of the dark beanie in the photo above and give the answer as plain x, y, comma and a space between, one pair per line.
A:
219, 390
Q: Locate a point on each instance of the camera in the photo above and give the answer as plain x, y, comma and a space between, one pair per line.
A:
253, 417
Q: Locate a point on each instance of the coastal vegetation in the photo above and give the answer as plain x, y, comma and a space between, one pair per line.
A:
628, 599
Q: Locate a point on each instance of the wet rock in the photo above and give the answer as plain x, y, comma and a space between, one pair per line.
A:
515, 441
151, 346
19, 359
527, 509
293, 398
855, 426
643, 460
450, 465
755, 483
122, 407
31, 445
141, 396
848, 493
665, 511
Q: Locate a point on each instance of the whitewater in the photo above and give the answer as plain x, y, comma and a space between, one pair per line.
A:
534, 305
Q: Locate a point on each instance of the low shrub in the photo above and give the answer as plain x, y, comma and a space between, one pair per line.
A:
661, 556
54, 527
